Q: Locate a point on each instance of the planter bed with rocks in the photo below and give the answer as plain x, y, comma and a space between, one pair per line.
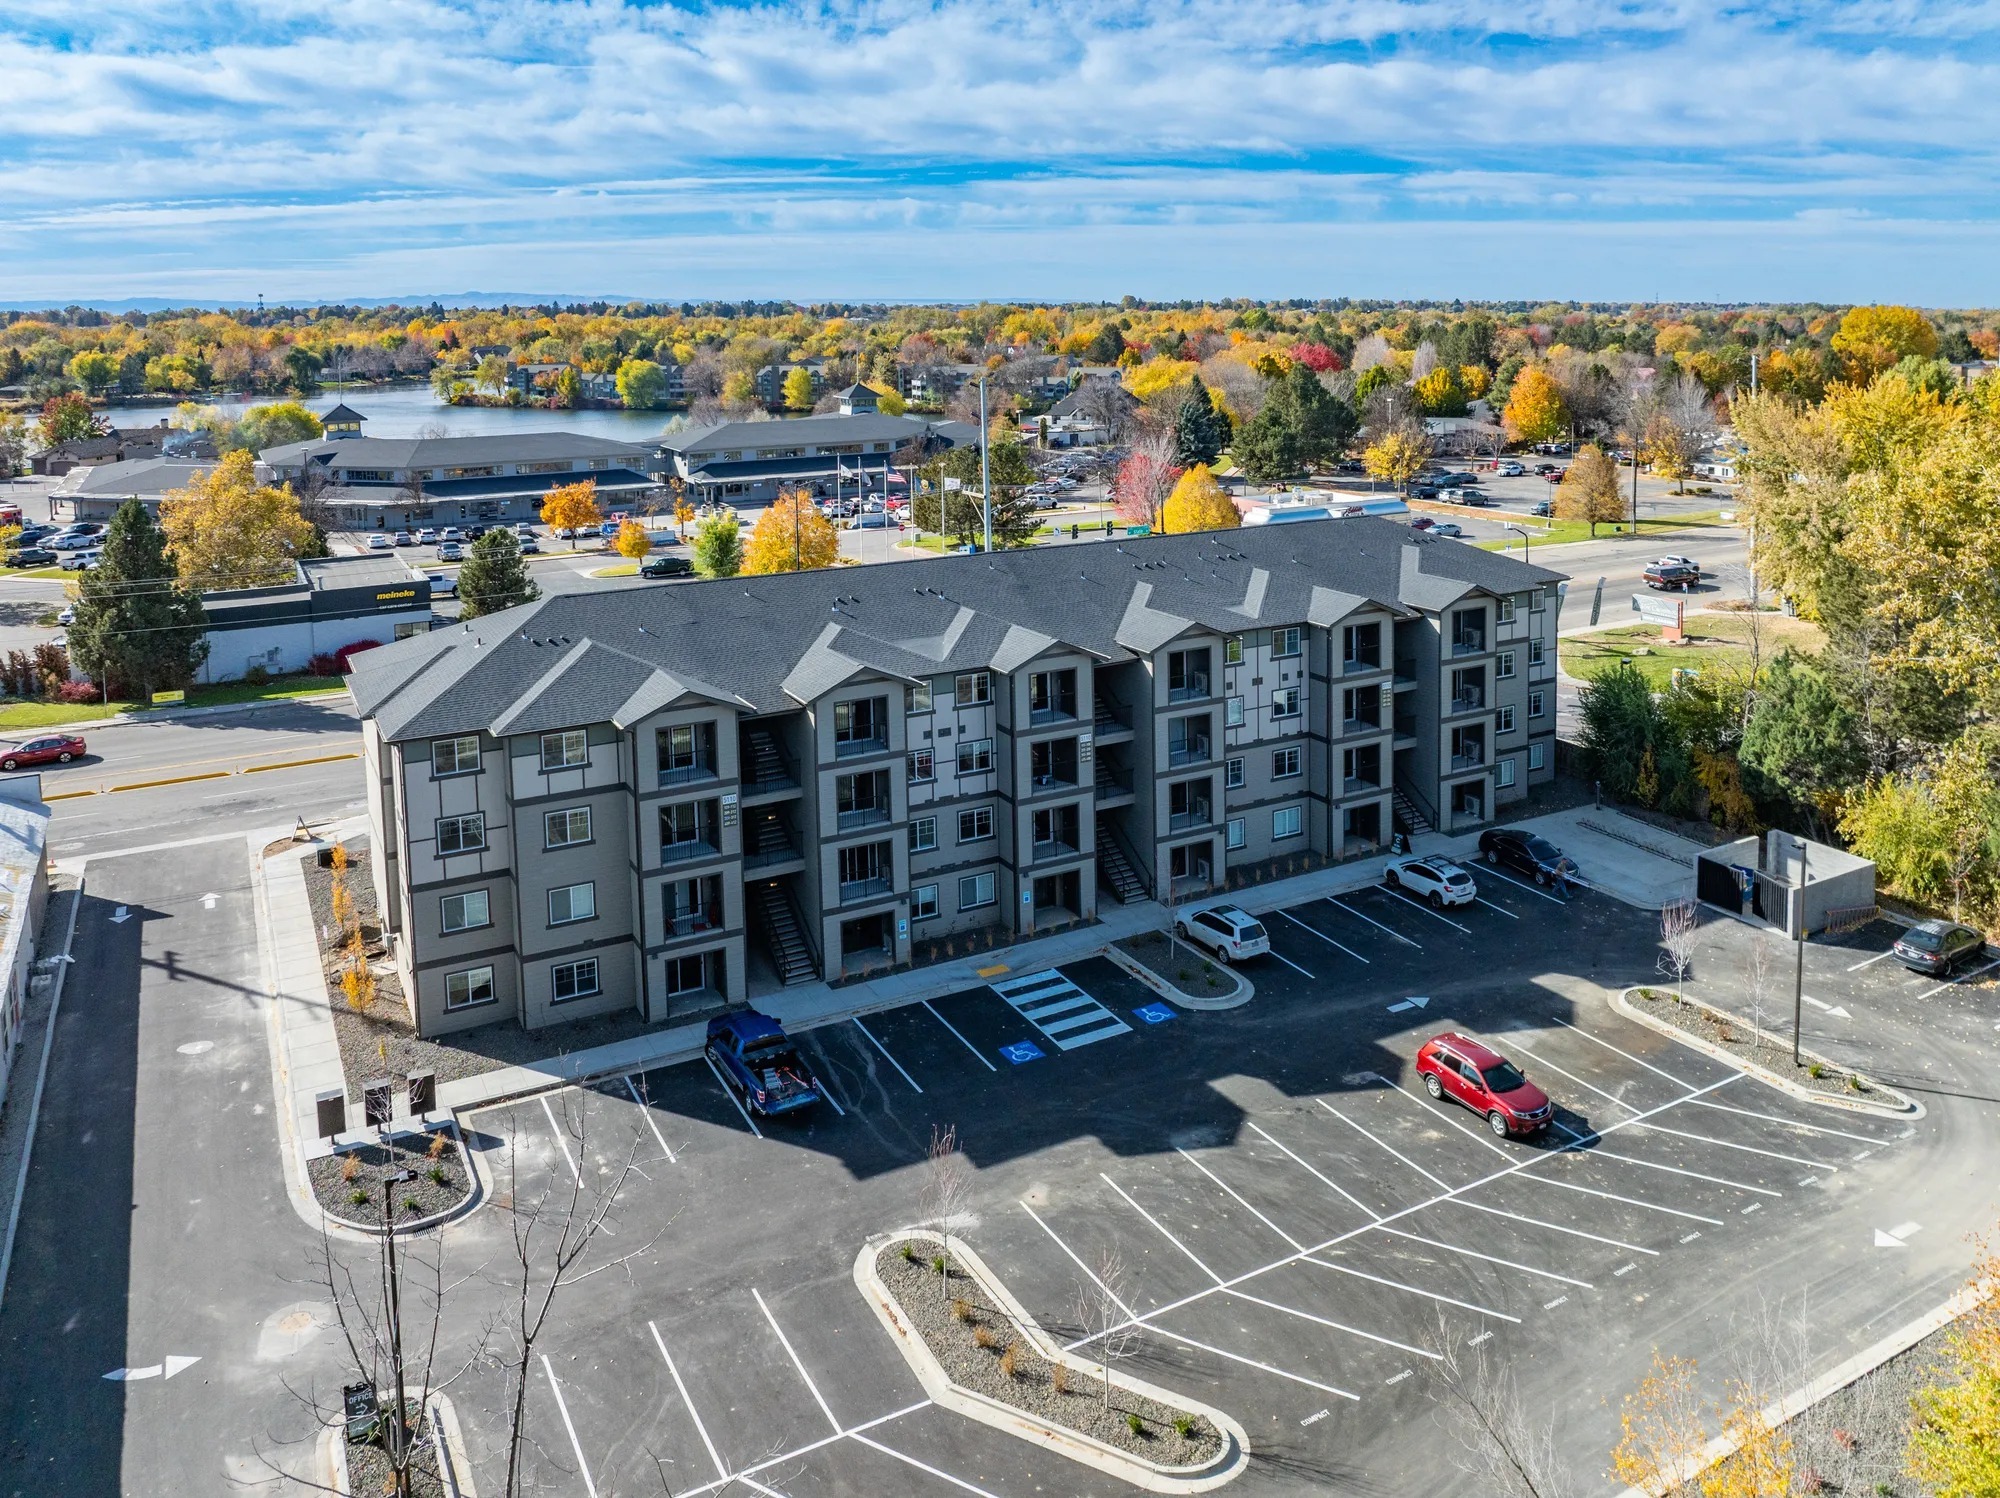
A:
349, 1185
1765, 1056
978, 1351
1179, 972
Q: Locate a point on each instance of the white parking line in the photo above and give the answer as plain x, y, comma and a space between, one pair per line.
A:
653, 1122
1237, 1357
1511, 915
1788, 1122
786, 1343
1541, 1060
1478, 1136
1274, 952
1626, 1054
1239, 1200
1324, 937
1352, 1331
961, 1039
957, 1482
1437, 1180
1554, 1227
730, 1093
885, 1054
1335, 1185
852, 1432
1375, 923
1870, 961
1629, 1201
1961, 978
1672, 1170
1390, 889
1463, 1305
1473, 1253
1748, 1149
561, 1143
582, 1466
1487, 868
1163, 1232
721, 1470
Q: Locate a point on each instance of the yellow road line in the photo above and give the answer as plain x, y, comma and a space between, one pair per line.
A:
143, 785
68, 795
293, 764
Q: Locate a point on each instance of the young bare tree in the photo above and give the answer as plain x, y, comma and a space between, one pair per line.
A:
1105, 1316
1503, 1447
1680, 936
947, 1187
1761, 967
1664, 1428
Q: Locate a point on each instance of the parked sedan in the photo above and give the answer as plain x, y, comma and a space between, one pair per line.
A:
379, 542
404, 538
427, 537
1446, 528
49, 749
1458, 1068
1518, 849
450, 551
1437, 880
73, 541
1509, 469
881, 520
1938, 947
1228, 931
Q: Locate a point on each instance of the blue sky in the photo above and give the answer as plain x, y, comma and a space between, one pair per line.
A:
960, 149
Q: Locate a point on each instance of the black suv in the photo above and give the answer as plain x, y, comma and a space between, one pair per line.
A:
1937, 947
666, 567
1667, 577
1525, 853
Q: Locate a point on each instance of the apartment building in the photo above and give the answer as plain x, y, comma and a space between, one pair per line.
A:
673, 799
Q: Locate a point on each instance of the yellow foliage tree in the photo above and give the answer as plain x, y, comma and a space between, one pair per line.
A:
1398, 456
1198, 503
1762, 1464
225, 530
799, 389
1661, 1424
572, 507
1157, 375
1955, 1448
791, 536
1589, 490
739, 390
633, 540
1474, 380
1535, 410
1870, 339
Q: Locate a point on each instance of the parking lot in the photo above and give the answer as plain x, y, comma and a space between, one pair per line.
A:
1302, 1230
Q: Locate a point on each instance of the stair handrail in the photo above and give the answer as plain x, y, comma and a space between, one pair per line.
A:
1123, 844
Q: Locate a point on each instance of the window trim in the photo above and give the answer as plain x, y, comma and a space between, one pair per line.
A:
572, 966
485, 897
1298, 815
1232, 650
461, 769
1297, 762
975, 812
1232, 712
917, 827
1537, 758
1503, 666
1536, 653
1538, 705
1503, 719
1297, 638
1279, 713
667, 968
464, 816
563, 736
929, 777
918, 912
918, 698
977, 747
1236, 833
1506, 615
589, 828
993, 887
1232, 774
571, 919
1503, 772
492, 991
981, 683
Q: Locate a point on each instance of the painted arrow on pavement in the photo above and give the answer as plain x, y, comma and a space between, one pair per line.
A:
1897, 1237
174, 1364
1825, 1008
1409, 1004
208, 901
120, 916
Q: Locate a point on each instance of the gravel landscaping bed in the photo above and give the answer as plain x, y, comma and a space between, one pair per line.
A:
953, 1322
381, 1040
368, 1469
1741, 1041
1178, 963
350, 1185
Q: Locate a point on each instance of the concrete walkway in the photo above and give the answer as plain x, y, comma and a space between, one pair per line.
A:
308, 1048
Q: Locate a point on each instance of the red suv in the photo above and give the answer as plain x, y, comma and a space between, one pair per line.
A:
1486, 1082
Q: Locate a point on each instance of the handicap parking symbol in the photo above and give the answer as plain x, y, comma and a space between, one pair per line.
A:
1022, 1051
1154, 1014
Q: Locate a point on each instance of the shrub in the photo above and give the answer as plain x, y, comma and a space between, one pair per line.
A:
1184, 1426
439, 1143
1815, 1070
982, 1336
1009, 1360
77, 692
937, 1265
1135, 1424
358, 1196
256, 676
1059, 1378
438, 1175
350, 1167
909, 1254
961, 1309
324, 664
412, 1205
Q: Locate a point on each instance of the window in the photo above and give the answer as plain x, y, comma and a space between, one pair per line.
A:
923, 834
1537, 756
859, 726
1285, 702
466, 912
1506, 611
1503, 667
1187, 675
1503, 720
473, 986
454, 756
975, 756
413, 627
1537, 702
572, 902
573, 980
1284, 763
565, 751
466, 834
687, 752
1286, 821
975, 824
685, 974
973, 689
1232, 651
1361, 647
1234, 833
1285, 642
1232, 713
862, 799
1536, 600
1503, 771
864, 869
1232, 774
975, 890
692, 905
563, 829
917, 697
1534, 652
923, 767
1051, 696
924, 902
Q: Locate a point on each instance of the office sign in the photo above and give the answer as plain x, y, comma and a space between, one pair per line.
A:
169, 699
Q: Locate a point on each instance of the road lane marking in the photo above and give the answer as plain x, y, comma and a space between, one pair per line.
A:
786, 1343
1435, 1180
1274, 952
1636, 1061
901, 1456
1748, 1149
1869, 961
730, 1093
721, 1470
1531, 889
1473, 1253
1335, 1185
648, 1112
1162, 1230
1554, 1227
561, 1143
1061, 1010
1629, 1201
1463, 1305
1239, 1199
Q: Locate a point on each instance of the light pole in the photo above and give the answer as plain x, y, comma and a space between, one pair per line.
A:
1798, 915
1524, 542
985, 471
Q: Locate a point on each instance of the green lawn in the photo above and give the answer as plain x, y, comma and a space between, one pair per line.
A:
1560, 532
16, 715
617, 569
55, 572
1716, 642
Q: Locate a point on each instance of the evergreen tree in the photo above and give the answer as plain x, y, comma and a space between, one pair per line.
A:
1630, 745
135, 624
1268, 446
718, 547
1199, 430
1323, 422
494, 577
1802, 740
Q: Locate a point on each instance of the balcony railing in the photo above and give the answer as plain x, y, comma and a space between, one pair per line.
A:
1355, 784
1054, 848
855, 748
1052, 782
864, 889
690, 848
1350, 726
1195, 753
1062, 710
687, 774
1468, 702
693, 922
1471, 761
863, 816
1469, 644
1353, 665
1195, 816
1192, 689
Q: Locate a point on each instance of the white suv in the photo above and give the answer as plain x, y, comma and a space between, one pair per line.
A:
1437, 880
1227, 931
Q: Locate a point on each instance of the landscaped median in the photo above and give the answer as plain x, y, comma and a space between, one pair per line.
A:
977, 1351
1179, 973
1760, 1054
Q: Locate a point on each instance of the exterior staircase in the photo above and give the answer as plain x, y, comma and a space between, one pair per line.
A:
785, 939
766, 765
1115, 868
1408, 818
764, 834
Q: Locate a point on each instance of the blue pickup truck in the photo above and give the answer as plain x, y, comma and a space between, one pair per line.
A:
757, 1059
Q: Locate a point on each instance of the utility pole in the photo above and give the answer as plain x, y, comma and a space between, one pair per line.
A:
1798, 915
399, 1429
985, 470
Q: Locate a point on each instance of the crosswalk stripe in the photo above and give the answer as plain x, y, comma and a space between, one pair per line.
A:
1060, 1010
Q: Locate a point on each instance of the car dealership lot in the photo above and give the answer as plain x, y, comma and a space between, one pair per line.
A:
1302, 1229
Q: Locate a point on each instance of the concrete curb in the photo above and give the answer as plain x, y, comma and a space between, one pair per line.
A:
1227, 1464
1243, 993
1856, 1368
473, 1199
1911, 1108
455, 1470
41, 1082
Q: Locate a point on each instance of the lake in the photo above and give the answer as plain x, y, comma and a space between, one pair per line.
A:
406, 410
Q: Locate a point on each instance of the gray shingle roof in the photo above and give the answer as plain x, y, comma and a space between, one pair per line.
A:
141, 478
805, 432
454, 452
772, 643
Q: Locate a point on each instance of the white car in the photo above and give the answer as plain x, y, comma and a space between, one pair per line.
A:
443, 585
1228, 931
1436, 879
427, 537
1509, 469
1677, 562
82, 561
451, 533
379, 542
68, 615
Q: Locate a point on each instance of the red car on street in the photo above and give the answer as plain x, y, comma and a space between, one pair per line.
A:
50, 748
1486, 1082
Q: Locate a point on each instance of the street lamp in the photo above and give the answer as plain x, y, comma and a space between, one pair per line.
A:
985, 472
1524, 541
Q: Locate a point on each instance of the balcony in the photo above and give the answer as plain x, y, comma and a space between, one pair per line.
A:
1466, 702
687, 850
1469, 761
1194, 752
858, 748
1354, 785
693, 923
1356, 665
863, 816
689, 774
1197, 815
1048, 852
1469, 642
854, 890
1193, 688
1349, 727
